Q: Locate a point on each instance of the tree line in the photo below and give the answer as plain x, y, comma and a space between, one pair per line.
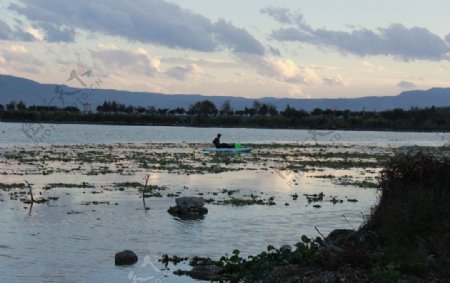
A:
206, 113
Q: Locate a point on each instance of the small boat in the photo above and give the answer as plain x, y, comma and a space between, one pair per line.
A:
229, 150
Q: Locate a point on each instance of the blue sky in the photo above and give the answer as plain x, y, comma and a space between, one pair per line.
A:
253, 48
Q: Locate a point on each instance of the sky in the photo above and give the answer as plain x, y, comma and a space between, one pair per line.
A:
249, 48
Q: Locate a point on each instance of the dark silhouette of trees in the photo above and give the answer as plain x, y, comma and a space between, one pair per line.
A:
177, 111
11, 106
204, 108
226, 108
204, 113
21, 106
317, 112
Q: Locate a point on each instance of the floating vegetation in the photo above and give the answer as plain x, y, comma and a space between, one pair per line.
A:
242, 201
229, 192
128, 159
348, 181
67, 185
95, 202
7, 187
252, 200
128, 185
314, 197
165, 259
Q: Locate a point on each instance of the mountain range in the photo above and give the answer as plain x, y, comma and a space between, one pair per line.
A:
34, 93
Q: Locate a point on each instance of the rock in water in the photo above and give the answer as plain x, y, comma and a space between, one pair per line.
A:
205, 272
190, 202
189, 208
126, 257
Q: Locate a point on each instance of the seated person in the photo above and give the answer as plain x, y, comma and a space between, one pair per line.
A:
217, 143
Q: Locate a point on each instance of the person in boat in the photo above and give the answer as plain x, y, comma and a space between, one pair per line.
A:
218, 144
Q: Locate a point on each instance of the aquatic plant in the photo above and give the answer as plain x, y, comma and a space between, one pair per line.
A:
413, 215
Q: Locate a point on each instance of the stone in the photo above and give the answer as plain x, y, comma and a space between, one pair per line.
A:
205, 272
190, 202
189, 208
125, 257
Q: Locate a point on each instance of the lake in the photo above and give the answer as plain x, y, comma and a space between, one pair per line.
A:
74, 237
39, 133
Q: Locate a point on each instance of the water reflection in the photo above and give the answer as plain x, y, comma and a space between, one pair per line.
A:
74, 238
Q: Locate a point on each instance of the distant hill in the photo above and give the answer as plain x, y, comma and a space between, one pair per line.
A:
33, 93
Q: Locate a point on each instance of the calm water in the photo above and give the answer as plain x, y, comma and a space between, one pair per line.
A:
51, 243
25, 133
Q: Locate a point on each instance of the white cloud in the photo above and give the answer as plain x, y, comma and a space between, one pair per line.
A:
150, 21
181, 73
107, 46
287, 17
55, 33
336, 80
17, 48
16, 33
396, 40
202, 62
367, 64
406, 84
136, 62
35, 33
16, 57
281, 69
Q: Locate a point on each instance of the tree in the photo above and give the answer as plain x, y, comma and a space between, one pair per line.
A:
249, 111
177, 111
256, 105
289, 112
204, 107
316, 112
71, 109
11, 106
263, 109
21, 106
163, 111
226, 108
140, 109
151, 110
273, 110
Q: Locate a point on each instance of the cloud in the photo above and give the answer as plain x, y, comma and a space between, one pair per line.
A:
281, 15
281, 69
334, 81
237, 39
274, 51
8, 33
286, 16
54, 33
202, 62
181, 73
406, 84
18, 58
149, 21
396, 40
35, 33
136, 61
447, 38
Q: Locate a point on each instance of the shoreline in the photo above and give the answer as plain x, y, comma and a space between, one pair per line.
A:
223, 126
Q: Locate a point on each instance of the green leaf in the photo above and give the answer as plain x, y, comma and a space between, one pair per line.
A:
305, 239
